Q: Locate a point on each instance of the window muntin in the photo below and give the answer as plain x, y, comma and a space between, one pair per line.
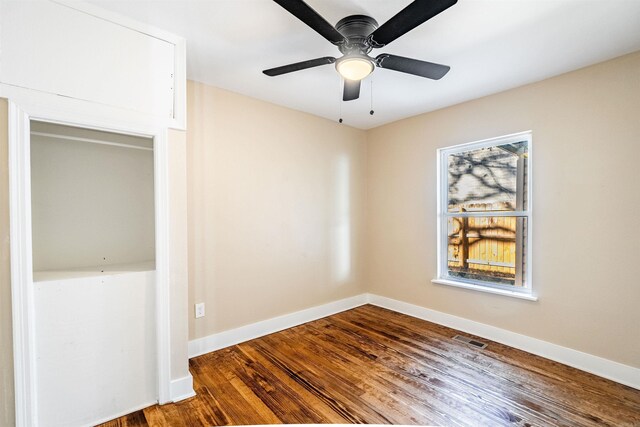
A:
484, 218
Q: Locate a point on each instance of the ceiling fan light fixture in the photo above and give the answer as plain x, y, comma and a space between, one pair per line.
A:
354, 67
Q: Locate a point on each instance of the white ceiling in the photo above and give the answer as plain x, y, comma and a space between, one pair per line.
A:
491, 46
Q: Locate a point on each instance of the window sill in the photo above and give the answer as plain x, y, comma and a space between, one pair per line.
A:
486, 289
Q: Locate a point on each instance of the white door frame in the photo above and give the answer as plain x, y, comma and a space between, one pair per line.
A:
25, 106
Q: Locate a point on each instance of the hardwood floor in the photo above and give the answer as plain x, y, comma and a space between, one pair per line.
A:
371, 365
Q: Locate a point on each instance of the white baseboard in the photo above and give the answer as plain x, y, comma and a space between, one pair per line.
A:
231, 337
615, 371
181, 389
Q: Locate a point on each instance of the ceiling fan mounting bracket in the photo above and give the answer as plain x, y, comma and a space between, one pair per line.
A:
356, 30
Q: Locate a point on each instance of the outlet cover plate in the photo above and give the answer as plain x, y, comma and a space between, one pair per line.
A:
199, 309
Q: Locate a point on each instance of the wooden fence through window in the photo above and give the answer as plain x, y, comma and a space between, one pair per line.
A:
483, 245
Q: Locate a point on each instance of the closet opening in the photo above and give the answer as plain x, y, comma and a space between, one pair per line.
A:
92, 202
95, 284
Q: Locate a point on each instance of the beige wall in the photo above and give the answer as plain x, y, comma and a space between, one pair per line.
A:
6, 334
275, 207
586, 147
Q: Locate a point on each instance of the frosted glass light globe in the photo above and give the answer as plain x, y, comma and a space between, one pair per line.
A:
354, 67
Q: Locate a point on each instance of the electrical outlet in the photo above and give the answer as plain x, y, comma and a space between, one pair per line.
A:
199, 310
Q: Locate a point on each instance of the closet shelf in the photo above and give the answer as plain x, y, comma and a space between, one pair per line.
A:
92, 271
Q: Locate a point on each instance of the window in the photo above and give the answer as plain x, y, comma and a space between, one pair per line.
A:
484, 215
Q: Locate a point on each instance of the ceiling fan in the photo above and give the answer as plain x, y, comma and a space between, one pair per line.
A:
356, 35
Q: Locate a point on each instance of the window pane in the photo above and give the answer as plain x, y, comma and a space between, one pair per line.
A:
488, 179
488, 249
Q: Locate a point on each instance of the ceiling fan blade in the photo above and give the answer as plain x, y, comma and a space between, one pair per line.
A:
407, 19
306, 14
299, 66
351, 90
416, 67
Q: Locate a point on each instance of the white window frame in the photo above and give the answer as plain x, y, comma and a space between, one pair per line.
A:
443, 278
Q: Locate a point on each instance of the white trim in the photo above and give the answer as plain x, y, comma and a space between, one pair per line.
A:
488, 142
44, 107
180, 85
179, 119
21, 272
231, 337
488, 289
60, 109
442, 257
40, 99
605, 368
162, 215
182, 388
118, 19
517, 214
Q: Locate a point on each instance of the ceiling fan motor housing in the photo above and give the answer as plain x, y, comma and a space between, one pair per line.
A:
356, 30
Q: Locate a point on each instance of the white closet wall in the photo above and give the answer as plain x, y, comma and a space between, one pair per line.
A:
96, 347
92, 203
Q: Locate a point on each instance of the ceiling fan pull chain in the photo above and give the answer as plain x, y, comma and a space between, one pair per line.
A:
371, 98
339, 99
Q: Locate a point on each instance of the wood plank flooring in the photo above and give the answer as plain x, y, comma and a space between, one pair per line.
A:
375, 366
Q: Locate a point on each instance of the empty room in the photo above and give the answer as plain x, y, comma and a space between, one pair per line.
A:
255, 212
